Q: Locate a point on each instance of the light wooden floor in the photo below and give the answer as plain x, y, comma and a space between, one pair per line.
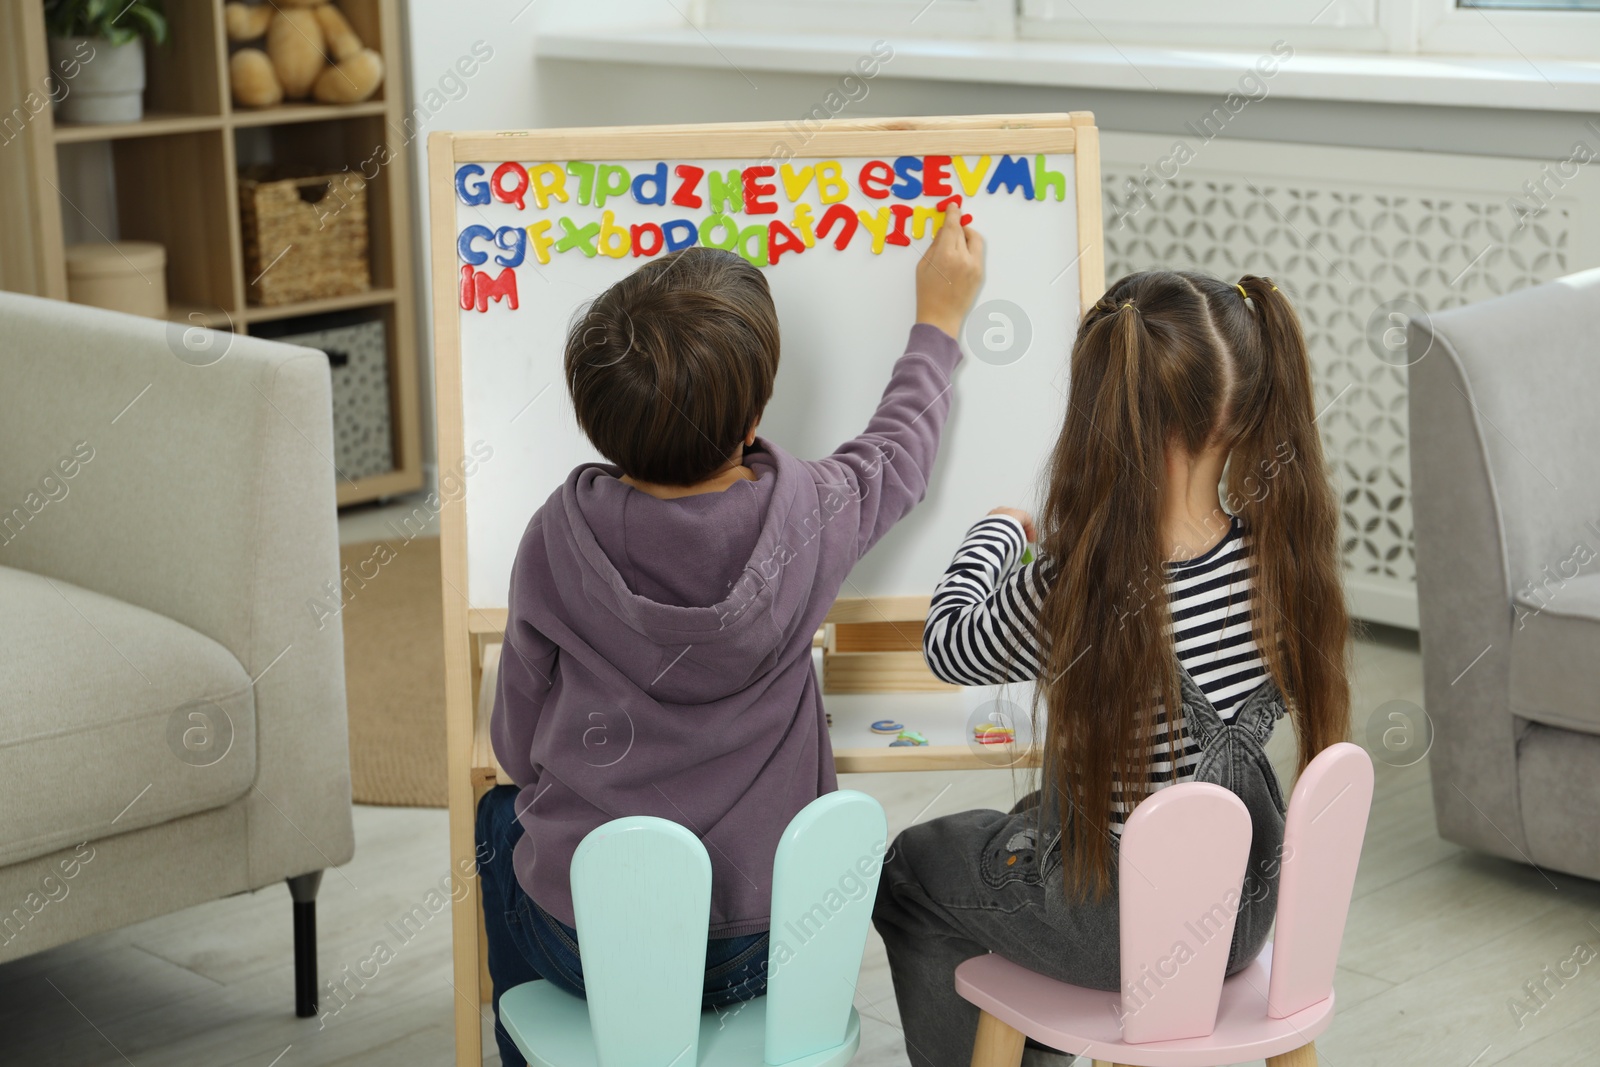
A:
1440, 943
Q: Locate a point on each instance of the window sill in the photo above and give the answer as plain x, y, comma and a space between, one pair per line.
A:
1452, 81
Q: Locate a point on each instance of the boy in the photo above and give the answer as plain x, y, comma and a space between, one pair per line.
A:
657, 656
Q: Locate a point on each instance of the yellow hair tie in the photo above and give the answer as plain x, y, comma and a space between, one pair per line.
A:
1242, 293
1129, 304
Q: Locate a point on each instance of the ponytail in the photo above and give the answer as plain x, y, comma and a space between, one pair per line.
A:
1109, 667
1278, 483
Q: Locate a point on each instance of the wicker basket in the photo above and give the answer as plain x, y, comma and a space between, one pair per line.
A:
305, 236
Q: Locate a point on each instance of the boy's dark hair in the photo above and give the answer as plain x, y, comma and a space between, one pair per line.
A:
669, 368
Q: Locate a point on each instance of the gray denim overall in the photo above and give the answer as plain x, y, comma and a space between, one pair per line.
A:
989, 881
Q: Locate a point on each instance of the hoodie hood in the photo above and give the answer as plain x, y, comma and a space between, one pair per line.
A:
705, 578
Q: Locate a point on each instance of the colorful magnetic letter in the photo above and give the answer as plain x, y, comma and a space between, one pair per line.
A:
611, 181
730, 232
514, 241
1044, 178
782, 239
649, 229
831, 186
936, 176
877, 224
757, 192
658, 176
685, 230
909, 170
464, 247
581, 238
753, 244
795, 181
802, 222
539, 234
876, 177
519, 184
1013, 173
944, 205
504, 286
614, 240
971, 179
477, 289
902, 215
584, 172
475, 195
686, 196
725, 191
847, 220
549, 180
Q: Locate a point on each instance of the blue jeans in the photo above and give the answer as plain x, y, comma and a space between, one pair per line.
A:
527, 943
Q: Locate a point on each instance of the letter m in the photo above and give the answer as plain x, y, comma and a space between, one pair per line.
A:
503, 286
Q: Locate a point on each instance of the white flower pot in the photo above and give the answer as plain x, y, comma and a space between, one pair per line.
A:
109, 84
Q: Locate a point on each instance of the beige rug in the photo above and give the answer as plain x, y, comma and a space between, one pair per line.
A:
394, 672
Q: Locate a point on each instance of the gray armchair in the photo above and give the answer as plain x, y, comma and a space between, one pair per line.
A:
1505, 476
172, 713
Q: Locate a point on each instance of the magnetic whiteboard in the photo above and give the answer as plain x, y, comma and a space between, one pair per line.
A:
844, 313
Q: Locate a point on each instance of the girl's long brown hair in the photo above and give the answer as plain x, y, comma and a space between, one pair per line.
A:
1177, 357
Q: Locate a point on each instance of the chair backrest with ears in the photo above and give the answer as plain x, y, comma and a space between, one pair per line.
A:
824, 882
641, 888
1321, 848
1180, 874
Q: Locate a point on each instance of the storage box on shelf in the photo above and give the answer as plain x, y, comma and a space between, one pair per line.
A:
129, 276
354, 344
178, 184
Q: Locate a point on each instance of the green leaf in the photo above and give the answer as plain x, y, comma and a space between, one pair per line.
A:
153, 22
117, 21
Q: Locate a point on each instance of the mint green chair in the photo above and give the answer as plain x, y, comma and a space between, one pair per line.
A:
641, 888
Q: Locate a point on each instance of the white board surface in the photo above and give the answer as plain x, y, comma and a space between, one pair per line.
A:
844, 316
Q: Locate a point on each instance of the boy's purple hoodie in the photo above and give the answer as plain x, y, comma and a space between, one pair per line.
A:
657, 657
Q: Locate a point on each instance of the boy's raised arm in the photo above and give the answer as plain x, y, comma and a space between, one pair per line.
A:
889, 464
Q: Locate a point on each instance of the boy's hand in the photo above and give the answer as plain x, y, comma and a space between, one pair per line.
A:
950, 274
1023, 517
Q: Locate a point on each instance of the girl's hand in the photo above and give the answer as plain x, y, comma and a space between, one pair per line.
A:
1023, 517
950, 274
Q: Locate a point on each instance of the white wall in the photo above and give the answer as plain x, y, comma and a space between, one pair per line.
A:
501, 93
514, 89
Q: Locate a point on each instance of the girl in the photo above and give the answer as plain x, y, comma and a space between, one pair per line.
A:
1148, 595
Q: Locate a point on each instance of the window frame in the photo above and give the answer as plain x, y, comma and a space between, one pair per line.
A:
991, 20
1361, 27
1444, 28
1322, 25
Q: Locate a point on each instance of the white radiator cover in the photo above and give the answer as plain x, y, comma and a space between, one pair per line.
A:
1344, 230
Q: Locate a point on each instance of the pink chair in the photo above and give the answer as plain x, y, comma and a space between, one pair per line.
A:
1183, 861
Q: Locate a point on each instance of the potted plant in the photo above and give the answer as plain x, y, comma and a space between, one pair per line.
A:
95, 48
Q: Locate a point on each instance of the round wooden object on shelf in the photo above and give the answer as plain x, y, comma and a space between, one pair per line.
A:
126, 276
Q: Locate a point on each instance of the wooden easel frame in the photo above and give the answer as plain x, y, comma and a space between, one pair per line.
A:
467, 630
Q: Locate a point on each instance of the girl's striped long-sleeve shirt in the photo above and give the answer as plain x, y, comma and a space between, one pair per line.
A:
982, 628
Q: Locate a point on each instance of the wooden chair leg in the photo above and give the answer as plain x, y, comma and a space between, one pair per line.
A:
1304, 1056
997, 1044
